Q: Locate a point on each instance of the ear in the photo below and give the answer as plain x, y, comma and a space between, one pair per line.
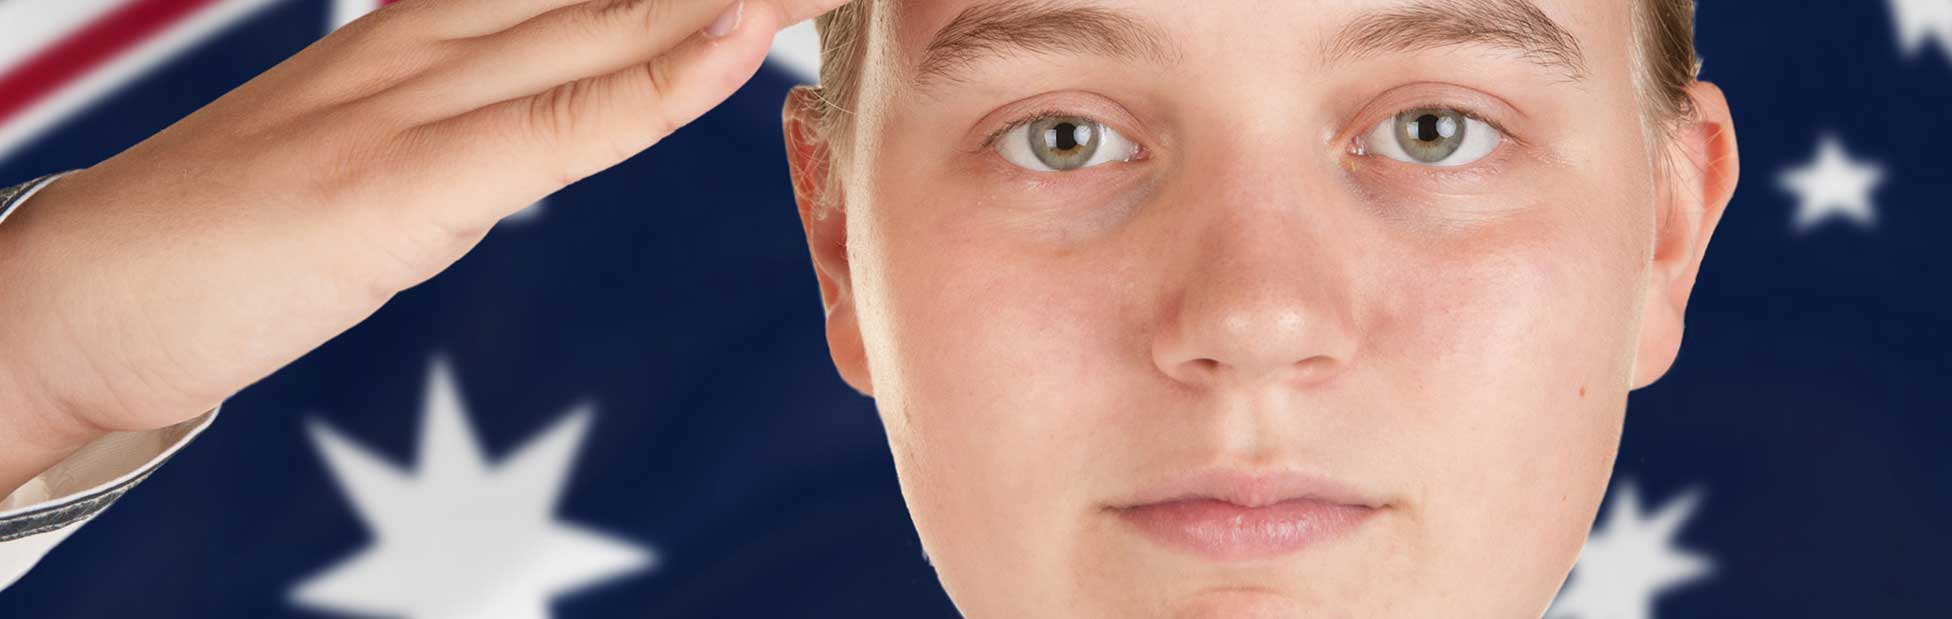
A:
808, 156
1695, 189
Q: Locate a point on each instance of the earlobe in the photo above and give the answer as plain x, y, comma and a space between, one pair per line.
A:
1697, 184
825, 222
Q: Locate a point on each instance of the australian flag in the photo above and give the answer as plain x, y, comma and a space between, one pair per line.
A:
619, 408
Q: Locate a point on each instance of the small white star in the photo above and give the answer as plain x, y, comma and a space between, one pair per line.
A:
528, 214
344, 11
1920, 21
1834, 185
460, 538
1630, 560
797, 49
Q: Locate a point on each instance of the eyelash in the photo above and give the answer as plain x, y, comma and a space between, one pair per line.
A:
989, 141
1504, 133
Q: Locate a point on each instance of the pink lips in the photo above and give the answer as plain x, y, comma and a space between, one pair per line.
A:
1226, 515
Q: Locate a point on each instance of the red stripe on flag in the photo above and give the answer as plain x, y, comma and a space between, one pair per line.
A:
87, 49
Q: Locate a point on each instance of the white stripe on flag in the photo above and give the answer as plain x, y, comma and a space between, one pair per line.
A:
45, 22
76, 96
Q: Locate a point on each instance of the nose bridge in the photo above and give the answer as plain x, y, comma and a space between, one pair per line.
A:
1266, 295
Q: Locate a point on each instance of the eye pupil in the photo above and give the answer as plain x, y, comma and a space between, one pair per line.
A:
1431, 127
1430, 135
1064, 136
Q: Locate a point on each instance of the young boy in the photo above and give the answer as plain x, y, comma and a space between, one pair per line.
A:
1170, 309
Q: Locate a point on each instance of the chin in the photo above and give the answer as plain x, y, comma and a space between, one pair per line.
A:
1239, 604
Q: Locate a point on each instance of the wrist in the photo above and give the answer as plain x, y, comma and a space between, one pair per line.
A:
35, 431
12, 197
35, 434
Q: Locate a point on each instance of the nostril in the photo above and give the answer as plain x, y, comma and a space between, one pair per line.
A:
1205, 368
1194, 371
1315, 369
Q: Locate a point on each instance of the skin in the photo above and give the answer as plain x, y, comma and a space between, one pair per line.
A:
144, 290
1250, 294
1253, 294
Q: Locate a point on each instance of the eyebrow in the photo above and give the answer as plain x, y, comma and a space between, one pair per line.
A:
1006, 26
998, 28
1515, 25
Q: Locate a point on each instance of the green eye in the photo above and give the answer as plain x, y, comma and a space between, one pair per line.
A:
1430, 135
1433, 136
1063, 143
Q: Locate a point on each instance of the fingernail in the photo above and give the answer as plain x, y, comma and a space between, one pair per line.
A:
728, 20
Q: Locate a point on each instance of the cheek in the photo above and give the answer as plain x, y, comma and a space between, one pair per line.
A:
1513, 348
992, 363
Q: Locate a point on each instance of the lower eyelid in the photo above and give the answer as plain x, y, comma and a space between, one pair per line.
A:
1469, 179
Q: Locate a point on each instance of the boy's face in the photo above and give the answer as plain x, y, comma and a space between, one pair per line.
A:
1421, 250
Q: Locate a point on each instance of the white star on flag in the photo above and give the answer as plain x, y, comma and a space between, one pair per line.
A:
344, 11
1631, 559
460, 538
1920, 21
528, 214
797, 50
1834, 185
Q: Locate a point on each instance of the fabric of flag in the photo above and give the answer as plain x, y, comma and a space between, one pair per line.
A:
621, 404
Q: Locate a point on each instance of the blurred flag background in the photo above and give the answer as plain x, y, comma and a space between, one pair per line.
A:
633, 371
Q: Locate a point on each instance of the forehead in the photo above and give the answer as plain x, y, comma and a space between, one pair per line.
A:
1560, 35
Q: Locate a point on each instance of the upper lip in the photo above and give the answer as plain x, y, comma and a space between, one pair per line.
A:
1251, 488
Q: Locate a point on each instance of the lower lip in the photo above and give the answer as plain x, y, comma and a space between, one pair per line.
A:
1223, 531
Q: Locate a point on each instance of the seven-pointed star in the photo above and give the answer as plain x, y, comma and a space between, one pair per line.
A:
1920, 21
460, 538
1629, 560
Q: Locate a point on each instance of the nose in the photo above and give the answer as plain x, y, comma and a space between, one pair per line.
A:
1265, 294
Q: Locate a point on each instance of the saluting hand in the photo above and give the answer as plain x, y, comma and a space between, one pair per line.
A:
143, 291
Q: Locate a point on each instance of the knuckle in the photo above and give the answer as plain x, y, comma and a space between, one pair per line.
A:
559, 122
372, 55
340, 180
645, 14
403, 237
405, 13
403, 256
551, 116
384, 19
657, 81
